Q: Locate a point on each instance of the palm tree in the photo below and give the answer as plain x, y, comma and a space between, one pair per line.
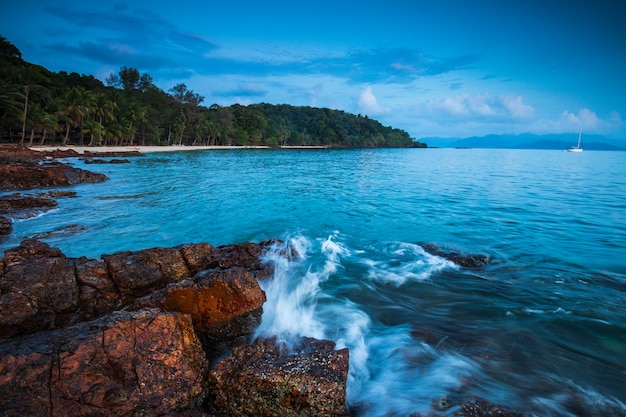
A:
104, 112
136, 113
48, 122
29, 78
78, 106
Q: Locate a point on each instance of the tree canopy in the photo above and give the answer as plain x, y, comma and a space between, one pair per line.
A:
40, 106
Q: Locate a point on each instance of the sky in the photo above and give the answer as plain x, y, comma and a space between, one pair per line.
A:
436, 68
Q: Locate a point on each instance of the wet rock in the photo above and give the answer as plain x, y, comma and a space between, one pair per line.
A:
478, 407
104, 161
265, 380
57, 194
62, 231
135, 274
198, 255
225, 306
247, 255
98, 293
113, 154
131, 363
461, 259
6, 226
38, 290
15, 202
14, 177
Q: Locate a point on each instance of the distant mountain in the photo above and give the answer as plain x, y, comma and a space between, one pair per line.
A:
528, 141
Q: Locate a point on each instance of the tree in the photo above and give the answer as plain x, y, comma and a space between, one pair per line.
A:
135, 113
104, 113
29, 79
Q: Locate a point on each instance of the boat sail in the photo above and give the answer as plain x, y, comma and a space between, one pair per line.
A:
577, 148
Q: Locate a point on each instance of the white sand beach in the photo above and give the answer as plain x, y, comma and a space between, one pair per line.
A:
142, 149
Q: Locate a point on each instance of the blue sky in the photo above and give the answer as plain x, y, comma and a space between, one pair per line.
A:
449, 68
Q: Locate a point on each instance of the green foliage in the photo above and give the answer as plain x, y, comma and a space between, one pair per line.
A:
72, 108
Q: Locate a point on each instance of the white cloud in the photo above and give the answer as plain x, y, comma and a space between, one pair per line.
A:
516, 107
478, 106
583, 119
368, 103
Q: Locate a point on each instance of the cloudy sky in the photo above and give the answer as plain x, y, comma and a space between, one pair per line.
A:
447, 68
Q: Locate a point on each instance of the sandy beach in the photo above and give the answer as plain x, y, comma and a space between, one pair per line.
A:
141, 149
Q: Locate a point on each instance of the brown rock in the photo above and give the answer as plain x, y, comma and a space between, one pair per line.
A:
98, 293
461, 259
6, 226
226, 307
247, 255
104, 161
13, 177
130, 363
478, 407
38, 290
135, 274
12, 203
265, 380
197, 255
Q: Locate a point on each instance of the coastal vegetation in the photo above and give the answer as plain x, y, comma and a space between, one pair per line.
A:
41, 107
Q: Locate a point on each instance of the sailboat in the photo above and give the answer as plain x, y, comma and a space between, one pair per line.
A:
577, 148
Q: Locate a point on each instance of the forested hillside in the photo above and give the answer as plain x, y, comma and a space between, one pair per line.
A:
40, 107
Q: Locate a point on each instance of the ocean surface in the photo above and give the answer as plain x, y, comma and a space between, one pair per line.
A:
541, 329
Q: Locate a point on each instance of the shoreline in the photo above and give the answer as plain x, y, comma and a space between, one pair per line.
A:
141, 149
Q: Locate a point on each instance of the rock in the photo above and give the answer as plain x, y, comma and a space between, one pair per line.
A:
464, 260
478, 407
104, 161
198, 255
143, 363
13, 177
98, 293
38, 290
57, 194
247, 255
265, 380
135, 274
61, 231
225, 306
6, 226
41, 289
113, 154
16, 202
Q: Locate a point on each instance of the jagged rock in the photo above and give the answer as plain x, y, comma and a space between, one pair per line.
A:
135, 274
131, 363
246, 255
104, 161
265, 380
42, 289
198, 255
38, 290
225, 306
478, 407
14, 177
464, 260
6, 226
14, 202
98, 293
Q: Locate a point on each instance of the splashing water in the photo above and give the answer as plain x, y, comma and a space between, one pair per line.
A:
309, 297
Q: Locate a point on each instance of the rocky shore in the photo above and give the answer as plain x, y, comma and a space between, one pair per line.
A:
157, 332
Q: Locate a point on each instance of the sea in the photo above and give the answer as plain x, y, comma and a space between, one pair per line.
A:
540, 329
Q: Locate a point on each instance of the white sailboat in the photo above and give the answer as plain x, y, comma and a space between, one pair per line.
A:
577, 148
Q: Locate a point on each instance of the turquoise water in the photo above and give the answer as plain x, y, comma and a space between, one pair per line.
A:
541, 329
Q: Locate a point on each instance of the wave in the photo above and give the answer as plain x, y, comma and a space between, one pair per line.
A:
307, 297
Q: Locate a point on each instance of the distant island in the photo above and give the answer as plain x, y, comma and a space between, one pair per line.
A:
528, 141
40, 107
